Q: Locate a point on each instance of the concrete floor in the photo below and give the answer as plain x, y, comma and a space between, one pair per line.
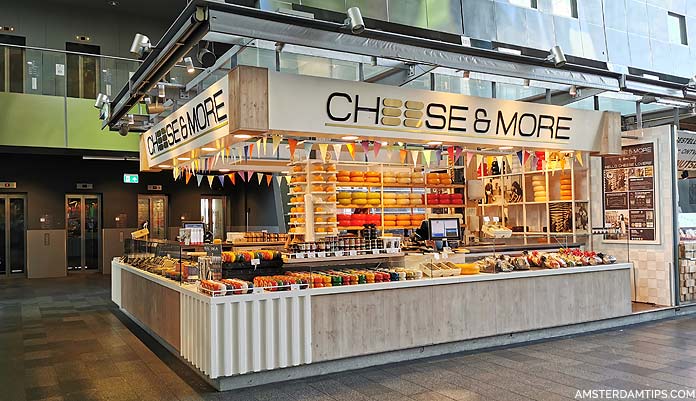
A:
62, 339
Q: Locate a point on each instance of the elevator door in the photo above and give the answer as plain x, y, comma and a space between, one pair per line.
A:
13, 235
83, 226
153, 210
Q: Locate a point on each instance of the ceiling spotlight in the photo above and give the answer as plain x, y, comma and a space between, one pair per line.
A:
183, 159
164, 166
349, 138
205, 57
141, 45
208, 149
189, 65
466, 75
354, 21
112, 3
131, 119
161, 92
434, 143
101, 99
223, 170
573, 91
556, 56
242, 136
505, 148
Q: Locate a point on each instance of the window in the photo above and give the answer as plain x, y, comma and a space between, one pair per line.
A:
676, 27
565, 8
82, 70
524, 3
213, 214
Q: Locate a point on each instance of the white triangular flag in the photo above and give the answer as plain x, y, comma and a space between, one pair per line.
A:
337, 150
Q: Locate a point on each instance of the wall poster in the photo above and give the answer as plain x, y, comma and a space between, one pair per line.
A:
629, 193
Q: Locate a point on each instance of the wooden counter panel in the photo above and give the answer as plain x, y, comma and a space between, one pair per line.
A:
154, 305
352, 324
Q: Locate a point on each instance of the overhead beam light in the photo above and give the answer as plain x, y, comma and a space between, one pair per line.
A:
161, 90
101, 99
205, 56
354, 21
556, 57
141, 45
573, 91
189, 65
349, 138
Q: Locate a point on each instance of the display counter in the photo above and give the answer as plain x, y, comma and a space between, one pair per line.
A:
226, 336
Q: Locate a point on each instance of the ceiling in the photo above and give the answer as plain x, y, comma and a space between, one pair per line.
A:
166, 10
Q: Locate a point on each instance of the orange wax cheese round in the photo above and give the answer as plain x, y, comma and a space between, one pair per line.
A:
343, 178
344, 173
357, 174
373, 180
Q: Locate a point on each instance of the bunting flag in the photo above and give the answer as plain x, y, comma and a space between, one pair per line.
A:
365, 146
427, 154
351, 150
578, 157
287, 179
199, 178
438, 156
403, 153
188, 177
216, 158
508, 157
248, 176
269, 179
390, 151
414, 156
324, 149
376, 147
251, 150
450, 154
264, 143
279, 178
210, 180
308, 148
231, 176
246, 152
242, 175
258, 148
292, 143
337, 150
458, 153
520, 157
174, 173
469, 156
259, 176
221, 178
276, 142
526, 157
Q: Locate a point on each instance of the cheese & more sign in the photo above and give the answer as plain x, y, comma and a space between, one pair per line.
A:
202, 120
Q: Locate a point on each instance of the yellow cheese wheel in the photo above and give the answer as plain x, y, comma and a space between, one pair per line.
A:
566, 181
538, 188
344, 202
373, 202
390, 223
357, 179
417, 216
331, 198
373, 195
538, 179
403, 202
415, 196
403, 175
293, 219
357, 174
402, 196
331, 219
543, 199
330, 167
389, 174
359, 202
329, 188
372, 180
388, 202
344, 195
389, 180
344, 173
359, 195
417, 181
331, 178
389, 195
372, 174
416, 202
297, 169
403, 180
540, 194
317, 188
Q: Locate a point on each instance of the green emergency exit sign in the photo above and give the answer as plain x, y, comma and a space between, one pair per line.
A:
130, 178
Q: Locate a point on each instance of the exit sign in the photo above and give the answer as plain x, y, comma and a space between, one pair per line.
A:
130, 178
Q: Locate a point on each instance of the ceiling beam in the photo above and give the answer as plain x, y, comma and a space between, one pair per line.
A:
400, 76
563, 98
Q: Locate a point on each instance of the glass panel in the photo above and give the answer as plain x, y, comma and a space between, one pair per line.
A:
158, 221
89, 77
16, 66
92, 233
73, 225
565, 8
17, 236
73, 74
218, 217
143, 210
3, 261
205, 211
676, 28
3, 50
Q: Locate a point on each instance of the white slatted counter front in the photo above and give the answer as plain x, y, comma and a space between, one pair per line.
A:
231, 335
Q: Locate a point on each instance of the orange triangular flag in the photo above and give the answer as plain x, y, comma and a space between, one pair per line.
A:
231, 175
269, 178
403, 153
251, 149
293, 145
188, 176
351, 150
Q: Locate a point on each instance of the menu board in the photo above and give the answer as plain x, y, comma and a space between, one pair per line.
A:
629, 193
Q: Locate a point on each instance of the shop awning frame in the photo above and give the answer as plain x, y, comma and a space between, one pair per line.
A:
222, 22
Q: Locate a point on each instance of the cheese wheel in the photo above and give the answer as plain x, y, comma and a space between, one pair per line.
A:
433, 181
416, 202
344, 202
403, 175
539, 188
372, 174
343, 178
566, 193
300, 219
330, 167
417, 217
344, 173
331, 198
373, 195
566, 181
331, 178
373, 202
296, 189
317, 188
432, 176
389, 195
403, 202
389, 217
319, 209
357, 174
388, 202
415, 196
293, 219
389, 223
565, 187
389, 174
402, 196
319, 220
374, 180
359, 201
358, 195
317, 177
331, 219
418, 181
403, 180
540, 194
357, 179
389, 180
316, 168
297, 169
445, 181
543, 199
329, 188
344, 195
444, 176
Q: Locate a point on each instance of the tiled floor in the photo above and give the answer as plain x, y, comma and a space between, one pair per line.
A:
61, 339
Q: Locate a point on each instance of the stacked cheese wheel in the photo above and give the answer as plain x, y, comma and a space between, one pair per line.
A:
403, 178
566, 188
358, 177
402, 220
358, 220
539, 187
438, 179
445, 199
417, 179
359, 199
389, 177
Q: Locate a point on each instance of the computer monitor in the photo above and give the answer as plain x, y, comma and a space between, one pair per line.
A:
447, 228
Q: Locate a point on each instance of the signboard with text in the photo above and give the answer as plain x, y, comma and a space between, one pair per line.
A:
628, 183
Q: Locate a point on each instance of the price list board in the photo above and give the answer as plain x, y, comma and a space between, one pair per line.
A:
628, 182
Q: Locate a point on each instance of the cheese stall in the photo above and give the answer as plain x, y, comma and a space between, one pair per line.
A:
414, 219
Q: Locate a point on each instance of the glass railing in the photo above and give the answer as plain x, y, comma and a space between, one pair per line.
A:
50, 72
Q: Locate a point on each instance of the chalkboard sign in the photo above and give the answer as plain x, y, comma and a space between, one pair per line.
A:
213, 250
